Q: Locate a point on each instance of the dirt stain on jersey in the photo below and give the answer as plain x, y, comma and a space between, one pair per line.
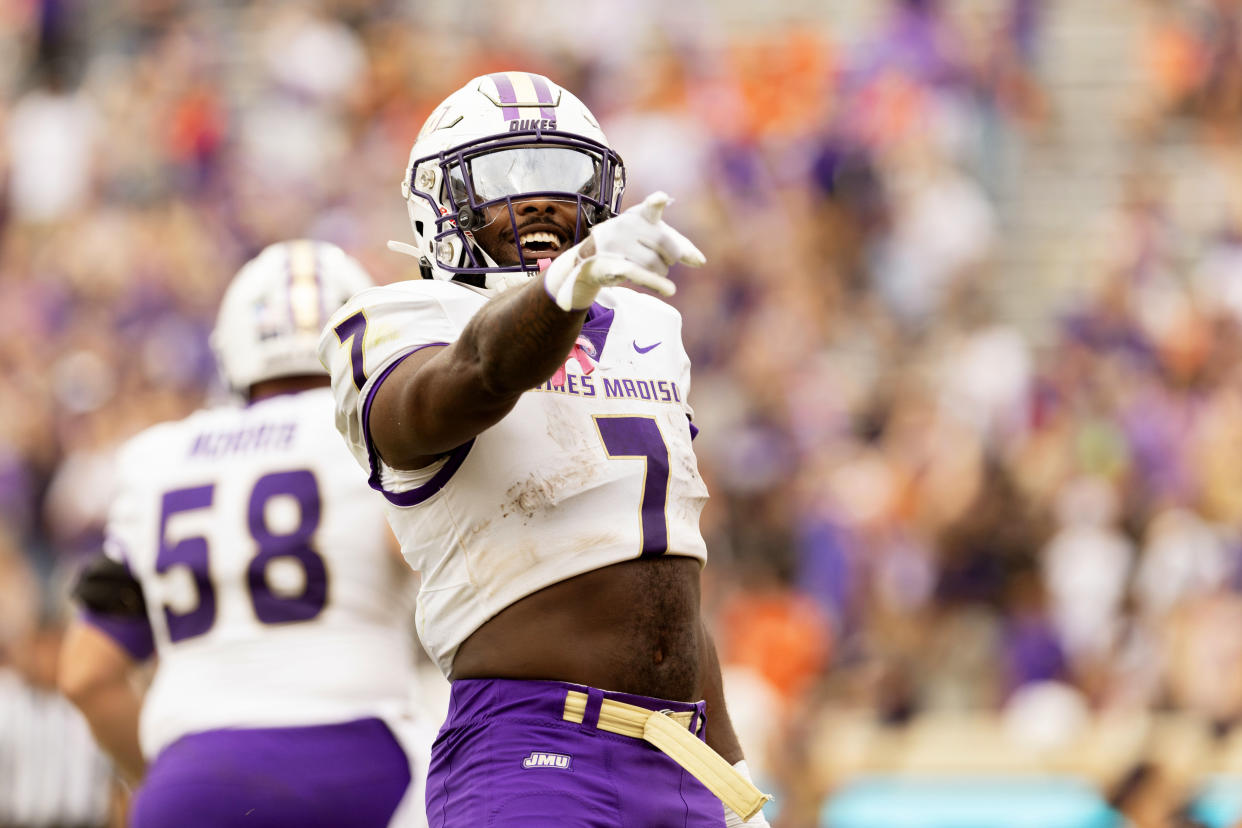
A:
529, 496
587, 543
480, 526
514, 562
543, 490
565, 425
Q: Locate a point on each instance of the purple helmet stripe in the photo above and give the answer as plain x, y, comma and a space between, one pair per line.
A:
321, 288
289, 282
504, 88
302, 267
545, 96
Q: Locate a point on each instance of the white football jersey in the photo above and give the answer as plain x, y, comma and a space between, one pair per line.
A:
273, 594
593, 470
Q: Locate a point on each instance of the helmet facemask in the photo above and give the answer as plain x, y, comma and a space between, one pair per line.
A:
475, 185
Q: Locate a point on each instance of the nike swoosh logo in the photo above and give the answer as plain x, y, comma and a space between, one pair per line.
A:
643, 350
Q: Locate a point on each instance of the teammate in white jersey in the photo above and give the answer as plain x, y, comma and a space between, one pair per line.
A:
525, 416
246, 552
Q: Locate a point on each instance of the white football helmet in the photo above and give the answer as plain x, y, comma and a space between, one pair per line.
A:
500, 139
276, 306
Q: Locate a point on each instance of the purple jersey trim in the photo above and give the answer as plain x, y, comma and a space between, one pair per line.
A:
694, 430
598, 324
133, 635
418, 494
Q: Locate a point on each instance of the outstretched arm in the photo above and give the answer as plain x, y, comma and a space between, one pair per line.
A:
441, 396
94, 675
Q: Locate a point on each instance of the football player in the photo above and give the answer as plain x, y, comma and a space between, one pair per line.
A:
246, 553
523, 411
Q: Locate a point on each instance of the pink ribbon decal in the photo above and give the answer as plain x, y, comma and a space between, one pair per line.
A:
584, 362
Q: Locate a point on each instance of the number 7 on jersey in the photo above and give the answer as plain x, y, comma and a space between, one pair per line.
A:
354, 331
639, 438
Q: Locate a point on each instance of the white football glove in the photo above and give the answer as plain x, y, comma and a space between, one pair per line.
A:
732, 820
636, 246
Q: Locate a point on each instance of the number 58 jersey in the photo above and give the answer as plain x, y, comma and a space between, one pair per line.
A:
274, 597
591, 468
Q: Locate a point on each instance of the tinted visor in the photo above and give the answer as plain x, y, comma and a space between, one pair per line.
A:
521, 170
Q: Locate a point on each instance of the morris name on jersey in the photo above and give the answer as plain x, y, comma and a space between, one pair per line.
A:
263, 437
273, 597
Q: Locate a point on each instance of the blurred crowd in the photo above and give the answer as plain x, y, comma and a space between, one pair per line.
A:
919, 504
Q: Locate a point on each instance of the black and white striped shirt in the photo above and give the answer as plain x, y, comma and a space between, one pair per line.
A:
51, 772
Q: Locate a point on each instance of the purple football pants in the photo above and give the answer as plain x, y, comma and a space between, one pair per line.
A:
506, 757
326, 776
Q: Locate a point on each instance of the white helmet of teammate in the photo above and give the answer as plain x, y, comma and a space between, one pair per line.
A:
502, 138
276, 306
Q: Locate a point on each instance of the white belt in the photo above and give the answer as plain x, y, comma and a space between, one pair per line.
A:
670, 733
